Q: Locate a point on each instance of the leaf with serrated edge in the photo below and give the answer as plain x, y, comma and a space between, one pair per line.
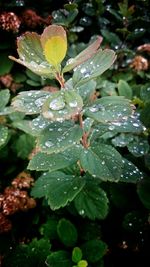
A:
109, 108
30, 102
59, 136
58, 188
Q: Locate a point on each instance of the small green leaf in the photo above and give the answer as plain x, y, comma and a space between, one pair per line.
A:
4, 97
82, 263
58, 188
52, 162
94, 250
92, 202
67, 233
59, 258
109, 108
59, 136
76, 254
124, 89
93, 67
30, 102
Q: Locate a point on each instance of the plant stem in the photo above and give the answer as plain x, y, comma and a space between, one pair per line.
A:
85, 134
60, 79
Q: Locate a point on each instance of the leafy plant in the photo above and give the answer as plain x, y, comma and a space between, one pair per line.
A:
73, 130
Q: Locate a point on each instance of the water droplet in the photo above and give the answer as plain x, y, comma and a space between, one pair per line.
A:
48, 144
81, 212
39, 102
57, 104
73, 104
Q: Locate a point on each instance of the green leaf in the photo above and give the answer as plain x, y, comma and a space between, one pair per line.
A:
94, 250
58, 188
124, 89
143, 191
31, 55
4, 97
67, 233
4, 135
92, 202
33, 83
93, 67
32, 76
76, 254
59, 136
109, 108
130, 173
59, 258
102, 161
30, 102
52, 162
83, 56
62, 105
6, 64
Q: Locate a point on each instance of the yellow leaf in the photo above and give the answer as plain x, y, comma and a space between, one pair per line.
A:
54, 43
55, 50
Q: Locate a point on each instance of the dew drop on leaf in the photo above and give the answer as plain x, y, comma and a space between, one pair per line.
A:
57, 104
48, 144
